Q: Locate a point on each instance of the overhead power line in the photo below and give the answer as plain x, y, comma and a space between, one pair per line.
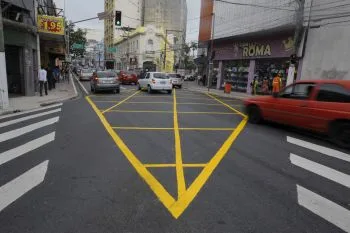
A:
255, 5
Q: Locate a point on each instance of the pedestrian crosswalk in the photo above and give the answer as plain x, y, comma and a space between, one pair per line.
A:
330, 210
20, 134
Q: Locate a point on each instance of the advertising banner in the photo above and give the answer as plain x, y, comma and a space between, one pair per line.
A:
51, 24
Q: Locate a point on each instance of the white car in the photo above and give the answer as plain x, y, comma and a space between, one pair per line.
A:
176, 80
155, 81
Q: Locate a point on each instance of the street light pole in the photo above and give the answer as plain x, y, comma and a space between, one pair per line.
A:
211, 58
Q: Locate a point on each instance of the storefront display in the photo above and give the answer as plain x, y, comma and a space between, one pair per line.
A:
236, 72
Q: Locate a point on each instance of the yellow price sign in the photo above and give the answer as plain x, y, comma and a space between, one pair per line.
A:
51, 24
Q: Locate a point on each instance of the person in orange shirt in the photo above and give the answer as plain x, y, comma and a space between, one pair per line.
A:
276, 85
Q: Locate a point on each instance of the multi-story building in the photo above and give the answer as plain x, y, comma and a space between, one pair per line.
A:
131, 17
167, 15
256, 40
144, 48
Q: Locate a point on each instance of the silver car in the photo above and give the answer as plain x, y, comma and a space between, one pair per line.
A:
176, 80
105, 81
85, 74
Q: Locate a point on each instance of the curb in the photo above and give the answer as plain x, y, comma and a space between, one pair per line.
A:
44, 104
217, 94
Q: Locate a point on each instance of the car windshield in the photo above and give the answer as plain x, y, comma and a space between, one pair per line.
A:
160, 76
106, 74
87, 71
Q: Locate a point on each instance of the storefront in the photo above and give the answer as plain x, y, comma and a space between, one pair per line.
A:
240, 60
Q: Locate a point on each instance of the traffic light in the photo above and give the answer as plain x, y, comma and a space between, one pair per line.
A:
118, 18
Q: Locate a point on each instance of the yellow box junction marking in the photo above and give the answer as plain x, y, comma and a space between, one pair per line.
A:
181, 186
185, 196
119, 103
184, 129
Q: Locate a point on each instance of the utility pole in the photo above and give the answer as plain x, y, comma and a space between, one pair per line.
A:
211, 58
4, 100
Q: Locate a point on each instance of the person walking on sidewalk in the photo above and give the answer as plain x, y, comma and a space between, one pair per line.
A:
42, 80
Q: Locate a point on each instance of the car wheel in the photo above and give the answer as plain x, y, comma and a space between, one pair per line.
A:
149, 89
180, 86
92, 89
254, 114
340, 133
139, 87
169, 92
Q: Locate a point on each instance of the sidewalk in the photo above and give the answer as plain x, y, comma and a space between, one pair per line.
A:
63, 91
193, 86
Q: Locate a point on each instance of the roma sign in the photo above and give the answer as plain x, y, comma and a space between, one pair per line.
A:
51, 24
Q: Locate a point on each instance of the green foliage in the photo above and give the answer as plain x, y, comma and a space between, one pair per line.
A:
77, 36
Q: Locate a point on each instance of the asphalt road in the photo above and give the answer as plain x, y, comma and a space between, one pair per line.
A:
186, 162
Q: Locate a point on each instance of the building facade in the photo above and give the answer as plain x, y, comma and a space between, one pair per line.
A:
255, 40
145, 49
170, 16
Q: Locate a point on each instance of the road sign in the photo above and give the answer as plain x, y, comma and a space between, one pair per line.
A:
77, 46
112, 50
104, 15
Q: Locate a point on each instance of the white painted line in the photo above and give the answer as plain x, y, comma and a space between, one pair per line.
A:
16, 188
324, 208
321, 149
18, 132
25, 148
30, 111
74, 87
81, 85
321, 170
7, 123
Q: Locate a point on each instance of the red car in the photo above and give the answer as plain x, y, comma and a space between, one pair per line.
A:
127, 77
317, 105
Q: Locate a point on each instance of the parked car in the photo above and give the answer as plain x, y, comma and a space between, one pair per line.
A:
127, 77
317, 105
176, 80
155, 81
189, 78
105, 81
85, 74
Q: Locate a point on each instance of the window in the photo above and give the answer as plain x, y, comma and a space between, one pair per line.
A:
137, 44
298, 91
147, 76
333, 93
150, 42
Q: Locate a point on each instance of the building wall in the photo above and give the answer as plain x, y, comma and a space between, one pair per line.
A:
327, 49
232, 20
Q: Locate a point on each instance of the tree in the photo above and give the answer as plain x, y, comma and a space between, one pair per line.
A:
77, 37
194, 47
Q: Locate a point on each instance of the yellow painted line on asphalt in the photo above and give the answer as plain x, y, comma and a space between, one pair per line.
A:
174, 165
204, 104
184, 129
155, 111
167, 200
149, 102
228, 106
114, 106
181, 185
182, 203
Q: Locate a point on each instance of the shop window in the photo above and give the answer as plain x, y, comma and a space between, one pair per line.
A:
236, 72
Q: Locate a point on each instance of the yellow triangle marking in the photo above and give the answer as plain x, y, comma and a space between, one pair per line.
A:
185, 196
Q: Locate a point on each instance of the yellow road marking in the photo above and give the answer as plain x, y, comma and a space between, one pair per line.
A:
167, 200
181, 186
188, 129
183, 202
174, 165
228, 106
121, 102
175, 207
205, 104
155, 111
149, 102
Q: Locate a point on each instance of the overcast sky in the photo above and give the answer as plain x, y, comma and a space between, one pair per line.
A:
83, 9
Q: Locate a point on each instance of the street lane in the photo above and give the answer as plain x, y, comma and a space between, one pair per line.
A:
93, 183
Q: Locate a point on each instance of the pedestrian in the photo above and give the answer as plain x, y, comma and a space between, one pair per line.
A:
56, 74
204, 79
254, 86
50, 78
276, 85
265, 87
42, 81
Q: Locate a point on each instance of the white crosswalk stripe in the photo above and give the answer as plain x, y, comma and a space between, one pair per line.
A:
319, 205
21, 127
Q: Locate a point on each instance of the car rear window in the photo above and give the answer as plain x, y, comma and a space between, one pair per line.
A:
160, 76
333, 93
174, 75
106, 74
